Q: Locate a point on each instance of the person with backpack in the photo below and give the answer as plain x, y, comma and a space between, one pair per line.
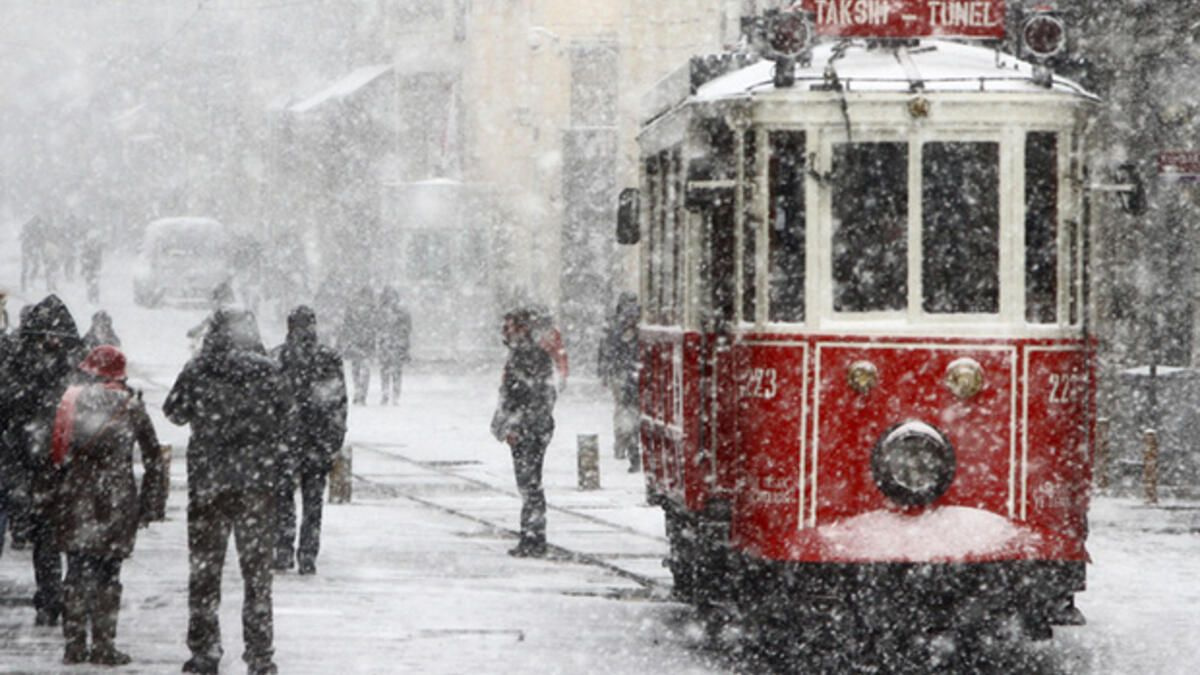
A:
99, 506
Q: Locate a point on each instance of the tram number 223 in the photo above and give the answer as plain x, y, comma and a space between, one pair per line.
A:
760, 383
1067, 388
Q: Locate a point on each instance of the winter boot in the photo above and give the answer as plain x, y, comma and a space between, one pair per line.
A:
308, 566
284, 560
74, 624
202, 665
104, 627
529, 548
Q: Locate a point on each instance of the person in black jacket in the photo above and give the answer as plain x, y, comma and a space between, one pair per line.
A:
101, 332
232, 397
39, 369
315, 385
524, 419
619, 370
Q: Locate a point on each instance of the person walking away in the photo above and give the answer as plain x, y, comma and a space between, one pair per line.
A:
314, 385
222, 298
524, 419
231, 396
357, 341
99, 507
91, 259
38, 373
395, 334
618, 366
101, 332
33, 250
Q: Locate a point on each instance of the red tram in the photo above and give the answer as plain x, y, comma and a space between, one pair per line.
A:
865, 371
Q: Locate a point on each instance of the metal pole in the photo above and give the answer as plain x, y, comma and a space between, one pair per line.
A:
589, 461
1150, 466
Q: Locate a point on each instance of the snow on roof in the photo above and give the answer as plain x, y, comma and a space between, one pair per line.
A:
343, 88
933, 65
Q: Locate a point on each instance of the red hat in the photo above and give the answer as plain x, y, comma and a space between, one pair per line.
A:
105, 361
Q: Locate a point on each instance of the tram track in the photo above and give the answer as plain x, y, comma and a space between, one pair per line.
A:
653, 589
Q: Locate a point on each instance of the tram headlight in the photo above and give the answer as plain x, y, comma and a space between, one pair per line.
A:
913, 464
964, 378
862, 376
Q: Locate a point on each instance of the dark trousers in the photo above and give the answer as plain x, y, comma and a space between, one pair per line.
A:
360, 371
92, 593
528, 453
47, 567
390, 375
250, 516
311, 479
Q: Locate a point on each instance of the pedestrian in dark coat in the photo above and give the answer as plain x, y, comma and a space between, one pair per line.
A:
314, 382
524, 419
101, 332
48, 350
395, 333
91, 258
618, 369
357, 341
99, 507
231, 395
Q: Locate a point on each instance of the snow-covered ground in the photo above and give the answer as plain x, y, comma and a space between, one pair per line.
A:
413, 574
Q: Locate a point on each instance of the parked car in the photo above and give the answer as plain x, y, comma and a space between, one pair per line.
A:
181, 261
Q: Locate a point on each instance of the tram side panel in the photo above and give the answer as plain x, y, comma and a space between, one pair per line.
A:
1057, 472
771, 386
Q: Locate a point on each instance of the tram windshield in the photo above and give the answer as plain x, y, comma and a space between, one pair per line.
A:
870, 227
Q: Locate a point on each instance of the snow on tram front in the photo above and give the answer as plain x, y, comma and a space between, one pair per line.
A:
866, 379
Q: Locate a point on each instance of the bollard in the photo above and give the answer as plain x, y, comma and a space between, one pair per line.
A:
1100, 470
589, 461
1150, 466
341, 477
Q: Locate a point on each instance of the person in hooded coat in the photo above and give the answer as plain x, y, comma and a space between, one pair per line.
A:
99, 507
315, 385
618, 369
101, 332
524, 419
231, 395
395, 333
39, 371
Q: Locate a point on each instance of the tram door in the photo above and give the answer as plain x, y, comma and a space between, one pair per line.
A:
717, 425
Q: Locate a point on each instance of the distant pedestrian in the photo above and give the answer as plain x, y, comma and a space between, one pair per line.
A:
618, 368
314, 383
99, 508
231, 395
91, 259
357, 341
395, 335
33, 250
524, 419
222, 298
101, 332
4, 325
38, 372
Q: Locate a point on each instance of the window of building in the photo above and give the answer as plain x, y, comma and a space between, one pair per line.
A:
960, 228
870, 227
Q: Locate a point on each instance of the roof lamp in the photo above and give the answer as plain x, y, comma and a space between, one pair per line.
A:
789, 32
1043, 35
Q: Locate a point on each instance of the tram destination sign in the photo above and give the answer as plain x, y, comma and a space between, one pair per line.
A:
899, 19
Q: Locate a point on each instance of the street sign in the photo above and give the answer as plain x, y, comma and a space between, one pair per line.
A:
1179, 164
899, 19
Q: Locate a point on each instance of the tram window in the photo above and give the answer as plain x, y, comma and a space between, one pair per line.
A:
960, 228
870, 227
652, 206
1041, 228
1073, 252
749, 231
680, 233
787, 226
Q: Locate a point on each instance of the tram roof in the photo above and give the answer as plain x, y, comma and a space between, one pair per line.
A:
930, 66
